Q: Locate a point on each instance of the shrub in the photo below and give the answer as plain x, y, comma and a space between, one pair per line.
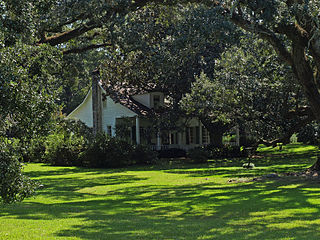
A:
34, 150
107, 152
70, 127
64, 150
310, 134
172, 153
226, 151
198, 155
248, 141
143, 155
14, 186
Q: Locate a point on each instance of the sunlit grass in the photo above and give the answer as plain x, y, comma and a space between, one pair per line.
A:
297, 148
176, 201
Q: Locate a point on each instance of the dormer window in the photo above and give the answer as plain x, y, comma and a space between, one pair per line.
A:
156, 101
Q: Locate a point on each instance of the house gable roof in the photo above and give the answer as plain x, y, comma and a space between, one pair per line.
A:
123, 96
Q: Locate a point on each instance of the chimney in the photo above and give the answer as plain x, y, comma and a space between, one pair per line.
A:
96, 103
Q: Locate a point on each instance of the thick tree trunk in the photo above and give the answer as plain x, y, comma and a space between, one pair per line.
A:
315, 166
306, 78
216, 138
285, 139
216, 131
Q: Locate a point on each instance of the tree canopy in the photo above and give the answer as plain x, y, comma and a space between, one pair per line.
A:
292, 29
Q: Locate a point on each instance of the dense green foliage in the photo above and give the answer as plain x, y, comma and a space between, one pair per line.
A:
64, 150
28, 91
258, 93
161, 47
202, 154
73, 144
265, 92
310, 134
198, 155
292, 29
29, 86
14, 186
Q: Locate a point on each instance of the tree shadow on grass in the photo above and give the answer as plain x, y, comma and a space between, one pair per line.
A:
236, 172
207, 211
69, 188
213, 212
56, 170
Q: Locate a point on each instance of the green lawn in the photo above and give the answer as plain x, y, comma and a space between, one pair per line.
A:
170, 201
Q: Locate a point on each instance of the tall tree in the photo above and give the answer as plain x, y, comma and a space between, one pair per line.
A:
292, 29
164, 48
270, 101
214, 103
252, 88
28, 90
29, 80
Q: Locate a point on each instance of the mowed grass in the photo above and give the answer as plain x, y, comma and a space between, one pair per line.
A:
170, 201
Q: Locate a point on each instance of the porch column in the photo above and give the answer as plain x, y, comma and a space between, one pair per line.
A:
137, 130
200, 132
179, 138
237, 136
158, 140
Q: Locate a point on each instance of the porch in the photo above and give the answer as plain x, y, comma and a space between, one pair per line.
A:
141, 131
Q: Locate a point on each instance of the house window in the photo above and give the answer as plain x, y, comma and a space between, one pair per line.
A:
191, 129
156, 101
187, 136
205, 135
190, 135
109, 132
165, 138
197, 135
174, 138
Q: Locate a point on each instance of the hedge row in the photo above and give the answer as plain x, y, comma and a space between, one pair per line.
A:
74, 145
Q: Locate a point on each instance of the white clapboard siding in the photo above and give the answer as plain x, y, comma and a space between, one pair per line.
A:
110, 111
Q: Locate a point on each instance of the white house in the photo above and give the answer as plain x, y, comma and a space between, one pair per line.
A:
113, 108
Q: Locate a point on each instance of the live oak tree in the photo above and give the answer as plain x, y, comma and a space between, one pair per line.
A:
28, 90
270, 102
29, 87
291, 27
253, 89
164, 48
214, 103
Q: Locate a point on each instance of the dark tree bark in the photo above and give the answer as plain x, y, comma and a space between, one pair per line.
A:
216, 131
315, 166
216, 138
301, 40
